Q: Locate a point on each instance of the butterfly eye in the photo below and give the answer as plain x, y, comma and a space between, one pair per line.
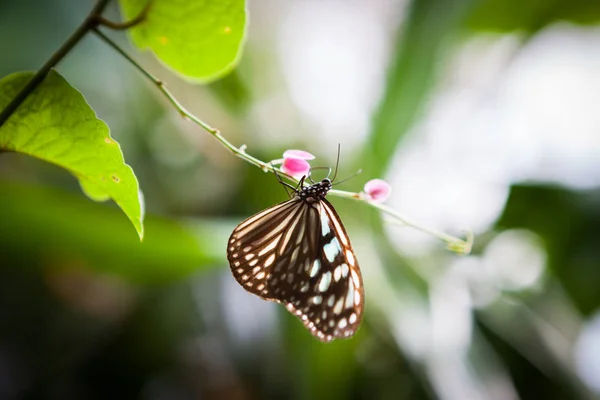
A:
298, 253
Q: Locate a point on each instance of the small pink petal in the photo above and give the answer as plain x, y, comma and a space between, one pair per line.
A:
295, 167
378, 190
301, 154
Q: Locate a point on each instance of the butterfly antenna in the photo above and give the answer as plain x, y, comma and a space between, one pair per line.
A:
348, 178
314, 168
337, 163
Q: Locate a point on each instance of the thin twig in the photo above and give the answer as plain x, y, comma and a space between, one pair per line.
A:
80, 32
455, 244
239, 152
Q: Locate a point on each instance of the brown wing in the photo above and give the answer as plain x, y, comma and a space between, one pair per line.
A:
255, 244
299, 254
328, 294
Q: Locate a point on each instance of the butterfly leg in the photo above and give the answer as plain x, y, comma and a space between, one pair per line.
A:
286, 185
300, 184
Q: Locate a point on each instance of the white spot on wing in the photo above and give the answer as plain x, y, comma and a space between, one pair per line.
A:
350, 257
304, 288
355, 278
356, 297
294, 255
338, 306
337, 274
270, 260
350, 295
290, 231
332, 249
269, 247
345, 270
331, 300
352, 318
324, 222
315, 268
325, 281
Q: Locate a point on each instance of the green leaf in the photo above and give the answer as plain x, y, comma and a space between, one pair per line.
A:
200, 39
63, 227
531, 15
56, 124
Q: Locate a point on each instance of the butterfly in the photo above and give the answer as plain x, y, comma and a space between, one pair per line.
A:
298, 253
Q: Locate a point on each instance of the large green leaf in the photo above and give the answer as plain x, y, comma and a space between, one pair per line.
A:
42, 226
56, 124
200, 39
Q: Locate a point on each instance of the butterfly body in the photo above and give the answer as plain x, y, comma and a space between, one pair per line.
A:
299, 254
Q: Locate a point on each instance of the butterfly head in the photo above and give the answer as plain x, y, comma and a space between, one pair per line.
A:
326, 184
315, 191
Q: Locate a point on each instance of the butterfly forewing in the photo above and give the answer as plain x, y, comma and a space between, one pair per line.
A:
298, 253
253, 246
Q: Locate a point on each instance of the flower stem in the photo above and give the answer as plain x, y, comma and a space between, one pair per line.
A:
455, 244
238, 151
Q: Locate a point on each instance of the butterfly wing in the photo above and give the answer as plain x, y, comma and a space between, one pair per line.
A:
329, 295
298, 253
253, 245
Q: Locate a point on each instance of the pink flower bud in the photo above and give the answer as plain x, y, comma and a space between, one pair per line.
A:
377, 190
296, 167
301, 154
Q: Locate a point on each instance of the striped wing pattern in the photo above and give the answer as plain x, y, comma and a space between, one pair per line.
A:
298, 253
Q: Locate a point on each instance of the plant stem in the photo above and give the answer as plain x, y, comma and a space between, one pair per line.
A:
455, 244
89, 23
238, 151
121, 26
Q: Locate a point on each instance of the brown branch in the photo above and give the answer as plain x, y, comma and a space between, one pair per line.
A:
121, 26
90, 22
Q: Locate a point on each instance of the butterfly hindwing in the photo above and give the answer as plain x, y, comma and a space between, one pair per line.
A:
331, 303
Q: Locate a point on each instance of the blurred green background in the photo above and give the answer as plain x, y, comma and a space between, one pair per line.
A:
482, 114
